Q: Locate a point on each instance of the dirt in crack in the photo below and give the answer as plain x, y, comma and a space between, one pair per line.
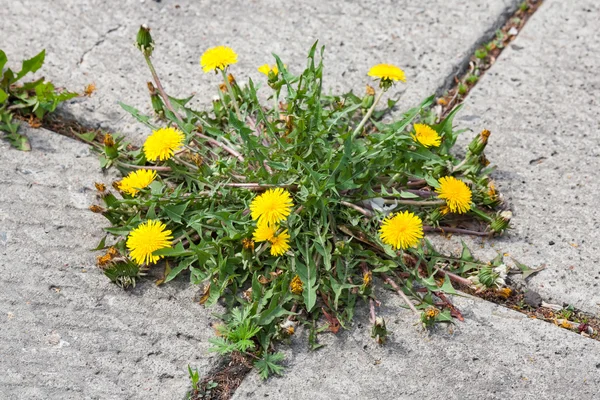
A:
222, 381
485, 57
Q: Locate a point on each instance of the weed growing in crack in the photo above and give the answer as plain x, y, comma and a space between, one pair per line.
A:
29, 101
285, 214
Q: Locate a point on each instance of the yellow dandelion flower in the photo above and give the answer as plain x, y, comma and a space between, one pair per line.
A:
402, 230
217, 58
136, 180
148, 237
280, 243
296, 285
387, 72
265, 69
163, 143
264, 232
425, 135
456, 193
272, 207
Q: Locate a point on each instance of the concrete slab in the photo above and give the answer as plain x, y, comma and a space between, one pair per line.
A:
540, 102
496, 353
66, 331
91, 41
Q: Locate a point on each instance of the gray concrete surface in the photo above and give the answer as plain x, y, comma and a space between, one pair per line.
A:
91, 41
540, 100
66, 331
495, 354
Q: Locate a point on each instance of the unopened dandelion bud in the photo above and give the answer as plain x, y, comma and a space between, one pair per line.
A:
369, 98
157, 104
436, 215
110, 147
439, 170
501, 222
478, 144
379, 330
101, 187
144, 41
231, 79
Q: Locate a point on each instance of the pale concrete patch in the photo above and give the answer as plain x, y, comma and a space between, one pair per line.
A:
66, 331
495, 354
92, 41
540, 100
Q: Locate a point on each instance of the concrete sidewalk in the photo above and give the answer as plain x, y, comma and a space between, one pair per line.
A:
540, 101
495, 354
91, 41
68, 333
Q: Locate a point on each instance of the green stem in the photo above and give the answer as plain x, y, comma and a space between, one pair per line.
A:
481, 214
367, 115
231, 94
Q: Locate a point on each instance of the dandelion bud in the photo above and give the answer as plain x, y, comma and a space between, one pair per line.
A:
369, 98
501, 222
157, 104
101, 187
379, 330
144, 41
436, 215
110, 147
479, 142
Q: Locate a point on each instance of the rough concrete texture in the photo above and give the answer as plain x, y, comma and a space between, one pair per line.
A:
495, 354
66, 331
91, 41
540, 102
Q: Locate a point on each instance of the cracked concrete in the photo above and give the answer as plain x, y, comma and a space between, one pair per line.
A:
539, 101
66, 331
429, 41
69, 333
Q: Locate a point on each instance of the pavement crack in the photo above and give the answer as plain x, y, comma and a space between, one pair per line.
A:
98, 43
484, 53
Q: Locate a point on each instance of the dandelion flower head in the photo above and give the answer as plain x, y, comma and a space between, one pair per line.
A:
136, 180
163, 143
272, 207
425, 135
148, 237
456, 193
219, 57
402, 230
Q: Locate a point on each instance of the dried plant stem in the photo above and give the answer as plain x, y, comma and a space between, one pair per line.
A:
415, 202
259, 186
400, 293
361, 210
427, 228
367, 115
160, 88
215, 142
372, 310
455, 278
